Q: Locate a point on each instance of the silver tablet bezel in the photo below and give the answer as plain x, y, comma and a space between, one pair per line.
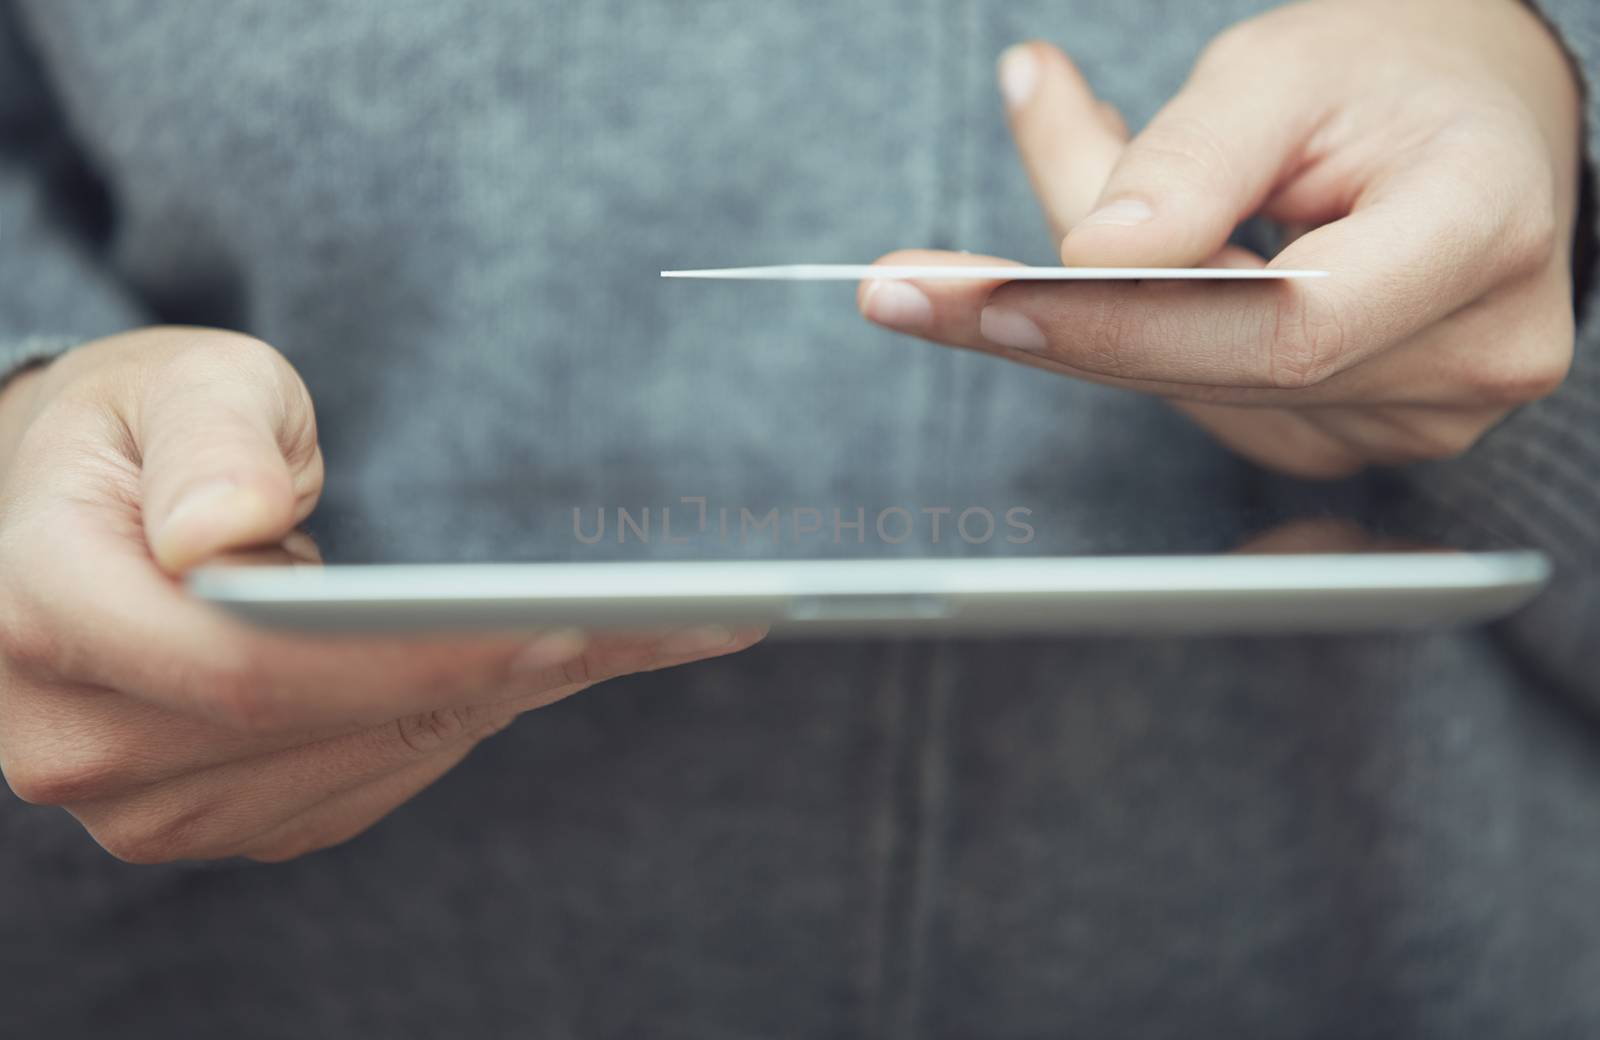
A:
1070, 595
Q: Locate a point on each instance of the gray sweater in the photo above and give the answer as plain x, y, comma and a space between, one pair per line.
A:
449, 216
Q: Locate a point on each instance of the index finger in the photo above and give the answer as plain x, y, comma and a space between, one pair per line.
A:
1421, 243
1102, 331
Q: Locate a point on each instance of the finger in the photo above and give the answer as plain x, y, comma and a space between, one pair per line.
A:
1203, 165
1311, 535
1279, 439
1166, 339
610, 655
103, 617
1425, 238
944, 311
66, 745
228, 450
1510, 347
1320, 443
297, 549
1394, 436
107, 619
140, 835
1091, 331
1116, 126
345, 782
349, 813
61, 744
1169, 338
1068, 140
88, 607
209, 814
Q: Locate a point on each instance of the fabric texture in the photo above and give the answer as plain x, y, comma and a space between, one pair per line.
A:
449, 217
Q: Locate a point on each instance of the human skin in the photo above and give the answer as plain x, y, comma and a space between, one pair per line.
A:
168, 729
1425, 152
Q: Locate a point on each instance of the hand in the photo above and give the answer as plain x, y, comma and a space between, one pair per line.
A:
1426, 153
169, 730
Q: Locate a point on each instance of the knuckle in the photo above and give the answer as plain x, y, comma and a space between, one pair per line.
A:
1512, 381
1433, 440
1535, 237
27, 645
31, 781
429, 731
224, 346
1529, 365
64, 774
1505, 199
48, 758
579, 670
300, 441
1445, 444
1107, 342
1314, 462
1547, 370
231, 693
150, 837
1308, 339
32, 640
204, 356
1188, 151
1515, 204
1242, 40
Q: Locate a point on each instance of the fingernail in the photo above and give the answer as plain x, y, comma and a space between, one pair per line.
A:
1019, 72
554, 647
1005, 327
204, 518
1121, 213
699, 640
899, 305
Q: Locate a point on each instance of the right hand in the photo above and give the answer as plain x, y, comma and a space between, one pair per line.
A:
1439, 185
169, 730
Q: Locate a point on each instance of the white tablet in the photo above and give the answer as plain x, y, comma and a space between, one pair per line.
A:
1225, 593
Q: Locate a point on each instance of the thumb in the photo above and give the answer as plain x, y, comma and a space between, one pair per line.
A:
229, 453
1067, 138
1205, 163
